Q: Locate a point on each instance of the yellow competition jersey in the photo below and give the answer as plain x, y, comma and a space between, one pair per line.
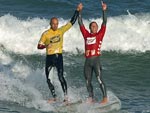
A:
54, 39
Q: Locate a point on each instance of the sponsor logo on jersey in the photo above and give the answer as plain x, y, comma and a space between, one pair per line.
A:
91, 40
55, 39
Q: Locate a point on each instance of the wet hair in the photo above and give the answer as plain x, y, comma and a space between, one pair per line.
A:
91, 24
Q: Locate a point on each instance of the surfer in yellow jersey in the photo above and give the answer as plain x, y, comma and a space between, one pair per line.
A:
52, 40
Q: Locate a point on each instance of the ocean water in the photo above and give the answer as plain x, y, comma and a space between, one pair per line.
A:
125, 53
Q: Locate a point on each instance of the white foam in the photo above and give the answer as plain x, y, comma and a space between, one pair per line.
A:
4, 58
128, 32
21, 36
125, 33
20, 70
15, 90
18, 83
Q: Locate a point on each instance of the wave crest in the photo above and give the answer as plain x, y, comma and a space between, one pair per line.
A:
124, 33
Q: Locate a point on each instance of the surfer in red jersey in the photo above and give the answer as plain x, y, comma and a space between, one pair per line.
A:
93, 42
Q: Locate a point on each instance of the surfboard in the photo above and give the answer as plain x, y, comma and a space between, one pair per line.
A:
110, 106
113, 104
70, 106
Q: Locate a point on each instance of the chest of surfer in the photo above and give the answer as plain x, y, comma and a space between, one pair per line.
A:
93, 45
55, 41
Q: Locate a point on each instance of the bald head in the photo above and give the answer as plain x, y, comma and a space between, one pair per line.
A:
54, 23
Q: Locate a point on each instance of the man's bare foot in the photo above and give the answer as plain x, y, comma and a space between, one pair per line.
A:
65, 98
90, 100
52, 100
66, 101
104, 101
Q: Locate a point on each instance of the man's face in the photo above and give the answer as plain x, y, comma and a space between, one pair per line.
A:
94, 27
54, 24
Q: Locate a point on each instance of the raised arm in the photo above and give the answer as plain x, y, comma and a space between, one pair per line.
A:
82, 27
104, 8
72, 21
76, 14
80, 16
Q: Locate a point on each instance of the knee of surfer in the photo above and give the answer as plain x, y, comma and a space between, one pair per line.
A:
48, 81
62, 80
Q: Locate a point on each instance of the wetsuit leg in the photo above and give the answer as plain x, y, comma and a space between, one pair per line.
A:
98, 73
59, 66
88, 77
49, 65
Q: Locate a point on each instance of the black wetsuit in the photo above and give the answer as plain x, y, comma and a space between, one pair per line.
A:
56, 60
93, 63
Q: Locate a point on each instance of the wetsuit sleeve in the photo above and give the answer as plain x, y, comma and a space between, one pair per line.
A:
66, 27
102, 32
80, 19
74, 18
41, 44
104, 18
103, 26
82, 27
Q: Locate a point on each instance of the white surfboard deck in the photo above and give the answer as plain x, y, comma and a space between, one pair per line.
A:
113, 104
62, 107
79, 106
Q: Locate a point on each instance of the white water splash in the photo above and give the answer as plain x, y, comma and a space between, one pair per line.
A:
124, 33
